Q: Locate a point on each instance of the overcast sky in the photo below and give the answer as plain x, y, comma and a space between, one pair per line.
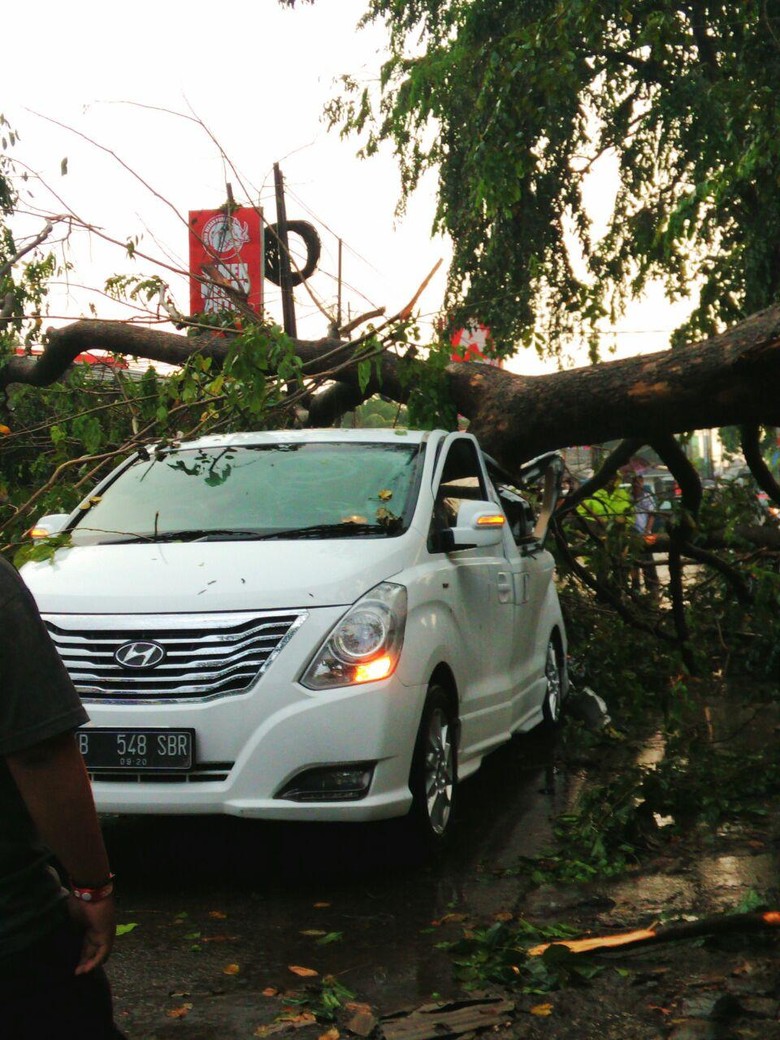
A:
257, 77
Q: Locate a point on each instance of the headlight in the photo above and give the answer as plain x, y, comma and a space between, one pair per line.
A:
362, 633
365, 645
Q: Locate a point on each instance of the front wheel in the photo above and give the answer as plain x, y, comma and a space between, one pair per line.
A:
553, 696
434, 771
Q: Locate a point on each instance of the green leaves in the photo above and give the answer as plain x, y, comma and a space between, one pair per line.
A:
364, 374
515, 106
40, 550
499, 954
88, 430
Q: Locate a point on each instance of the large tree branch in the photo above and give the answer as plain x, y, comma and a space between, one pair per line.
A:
751, 449
726, 380
729, 379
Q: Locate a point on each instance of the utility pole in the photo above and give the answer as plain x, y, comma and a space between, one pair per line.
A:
285, 280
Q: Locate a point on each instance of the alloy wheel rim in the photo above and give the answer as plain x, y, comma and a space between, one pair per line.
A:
553, 676
439, 772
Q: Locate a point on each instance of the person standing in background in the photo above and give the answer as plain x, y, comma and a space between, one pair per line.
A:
644, 522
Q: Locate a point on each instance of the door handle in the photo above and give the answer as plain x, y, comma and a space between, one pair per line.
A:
504, 587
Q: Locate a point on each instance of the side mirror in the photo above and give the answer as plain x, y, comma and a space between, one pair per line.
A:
478, 524
52, 523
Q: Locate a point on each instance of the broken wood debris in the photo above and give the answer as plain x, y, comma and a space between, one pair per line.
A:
754, 921
446, 1019
363, 1021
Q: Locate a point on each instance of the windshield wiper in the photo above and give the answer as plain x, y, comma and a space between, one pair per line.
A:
340, 530
197, 535
226, 534
344, 529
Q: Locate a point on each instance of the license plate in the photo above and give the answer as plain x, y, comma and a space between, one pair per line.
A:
137, 749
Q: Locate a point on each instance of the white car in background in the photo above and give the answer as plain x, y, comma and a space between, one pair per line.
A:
304, 625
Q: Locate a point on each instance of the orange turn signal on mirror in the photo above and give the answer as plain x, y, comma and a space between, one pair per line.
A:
491, 520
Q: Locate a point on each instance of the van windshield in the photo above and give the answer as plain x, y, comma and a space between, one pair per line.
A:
316, 490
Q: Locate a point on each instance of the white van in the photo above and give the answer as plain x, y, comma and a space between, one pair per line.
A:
304, 625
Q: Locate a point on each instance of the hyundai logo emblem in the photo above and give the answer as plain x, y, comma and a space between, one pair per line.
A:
140, 654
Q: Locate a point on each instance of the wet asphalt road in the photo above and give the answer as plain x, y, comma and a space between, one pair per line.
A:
223, 908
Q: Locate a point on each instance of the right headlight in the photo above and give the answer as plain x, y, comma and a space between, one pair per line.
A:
366, 643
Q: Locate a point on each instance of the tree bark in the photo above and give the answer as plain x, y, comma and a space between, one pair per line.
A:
727, 380
730, 379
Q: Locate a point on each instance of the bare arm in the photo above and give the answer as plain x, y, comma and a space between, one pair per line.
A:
54, 786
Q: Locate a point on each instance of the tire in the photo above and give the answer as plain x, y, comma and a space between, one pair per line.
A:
308, 234
434, 773
552, 705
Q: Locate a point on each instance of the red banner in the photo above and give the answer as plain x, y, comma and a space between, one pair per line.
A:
470, 344
226, 250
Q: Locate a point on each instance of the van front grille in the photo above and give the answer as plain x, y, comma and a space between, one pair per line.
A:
153, 658
204, 772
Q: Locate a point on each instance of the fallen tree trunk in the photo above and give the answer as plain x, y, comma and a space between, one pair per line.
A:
729, 379
724, 381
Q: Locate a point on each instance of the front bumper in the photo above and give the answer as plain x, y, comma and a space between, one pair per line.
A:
249, 748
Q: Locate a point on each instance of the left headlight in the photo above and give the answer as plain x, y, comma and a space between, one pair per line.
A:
366, 643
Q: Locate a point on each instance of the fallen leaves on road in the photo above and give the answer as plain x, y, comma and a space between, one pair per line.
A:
231, 969
542, 1010
179, 1012
330, 937
304, 973
286, 1024
448, 919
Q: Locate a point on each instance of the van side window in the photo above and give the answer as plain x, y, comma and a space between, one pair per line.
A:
519, 513
461, 480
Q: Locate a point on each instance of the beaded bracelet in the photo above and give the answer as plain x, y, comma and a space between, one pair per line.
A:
93, 895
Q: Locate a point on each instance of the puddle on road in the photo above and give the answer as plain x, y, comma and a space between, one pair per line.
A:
728, 879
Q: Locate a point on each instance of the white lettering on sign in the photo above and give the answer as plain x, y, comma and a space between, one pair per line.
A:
214, 296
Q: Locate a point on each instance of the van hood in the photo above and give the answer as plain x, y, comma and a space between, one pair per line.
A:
189, 577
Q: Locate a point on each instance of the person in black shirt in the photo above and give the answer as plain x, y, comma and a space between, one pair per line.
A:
53, 940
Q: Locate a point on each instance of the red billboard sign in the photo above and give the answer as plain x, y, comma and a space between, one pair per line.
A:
470, 344
226, 251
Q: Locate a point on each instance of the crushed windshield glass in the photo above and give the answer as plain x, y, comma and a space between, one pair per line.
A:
307, 490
